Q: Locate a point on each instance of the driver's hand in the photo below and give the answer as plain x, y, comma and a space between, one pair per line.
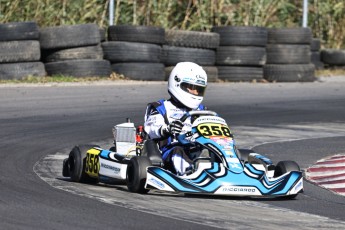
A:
174, 128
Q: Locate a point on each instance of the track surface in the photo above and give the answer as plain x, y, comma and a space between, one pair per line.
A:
301, 122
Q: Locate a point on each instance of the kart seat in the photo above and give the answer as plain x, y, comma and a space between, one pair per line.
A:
152, 151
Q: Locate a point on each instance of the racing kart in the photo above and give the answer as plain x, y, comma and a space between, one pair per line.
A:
219, 168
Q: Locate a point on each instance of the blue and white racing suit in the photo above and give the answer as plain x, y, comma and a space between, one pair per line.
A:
161, 113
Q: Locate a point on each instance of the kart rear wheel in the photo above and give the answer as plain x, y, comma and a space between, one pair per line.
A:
65, 168
76, 160
285, 166
136, 174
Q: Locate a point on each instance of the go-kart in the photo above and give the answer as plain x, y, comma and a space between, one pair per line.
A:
219, 168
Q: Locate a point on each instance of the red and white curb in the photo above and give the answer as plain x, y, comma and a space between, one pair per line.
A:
329, 173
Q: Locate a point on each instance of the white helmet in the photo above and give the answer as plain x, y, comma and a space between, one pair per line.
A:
187, 84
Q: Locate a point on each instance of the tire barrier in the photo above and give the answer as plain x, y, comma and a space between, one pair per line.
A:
80, 68
242, 53
192, 39
135, 51
229, 53
194, 46
171, 55
140, 70
143, 34
211, 71
121, 51
74, 51
62, 37
289, 55
289, 72
20, 52
333, 58
315, 56
86, 52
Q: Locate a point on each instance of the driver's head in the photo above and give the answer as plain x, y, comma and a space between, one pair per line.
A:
187, 84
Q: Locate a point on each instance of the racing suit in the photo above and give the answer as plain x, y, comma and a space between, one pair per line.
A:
175, 157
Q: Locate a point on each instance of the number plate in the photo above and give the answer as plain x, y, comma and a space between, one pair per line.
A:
214, 130
92, 162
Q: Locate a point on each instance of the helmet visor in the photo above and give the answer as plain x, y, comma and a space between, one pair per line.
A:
196, 90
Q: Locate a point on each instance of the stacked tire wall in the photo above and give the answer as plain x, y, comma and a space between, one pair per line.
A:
191, 46
228, 53
288, 55
74, 51
135, 51
20, 51
242, 53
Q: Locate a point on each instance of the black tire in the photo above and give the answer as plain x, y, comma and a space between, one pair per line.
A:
80, 68
316, 60
193, 39
19, 51
241, 55
145, 34
20, 70
15, 31
171, 55
315, 45
333, 57
65, 168
60, 37
241, 35
285, 166
131, 52
288, 54
211, 71
87, 52
240, 73
76, 160
289, 73
136, 174
290, 36
140, 71
102, 32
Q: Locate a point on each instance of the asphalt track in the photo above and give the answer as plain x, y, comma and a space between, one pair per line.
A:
39, 124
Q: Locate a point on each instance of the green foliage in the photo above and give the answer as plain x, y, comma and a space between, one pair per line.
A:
326, 17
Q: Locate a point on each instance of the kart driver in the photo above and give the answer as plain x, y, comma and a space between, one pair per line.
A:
186, 86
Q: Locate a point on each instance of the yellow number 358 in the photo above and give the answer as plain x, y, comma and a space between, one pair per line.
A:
213, 129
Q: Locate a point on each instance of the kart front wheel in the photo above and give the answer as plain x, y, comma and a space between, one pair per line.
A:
136, 174
76, 161
285, 166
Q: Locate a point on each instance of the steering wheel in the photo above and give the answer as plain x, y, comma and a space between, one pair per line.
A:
197, 113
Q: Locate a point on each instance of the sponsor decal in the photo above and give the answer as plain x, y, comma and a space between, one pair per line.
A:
234, 165
115, 169
156, 182
176, 115
211, 119
200, 77
229, 153
201, 82
239, 189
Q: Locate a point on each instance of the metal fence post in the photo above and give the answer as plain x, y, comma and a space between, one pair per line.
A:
111, 12
305, 13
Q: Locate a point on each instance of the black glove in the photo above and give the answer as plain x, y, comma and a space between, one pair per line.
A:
174, 128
